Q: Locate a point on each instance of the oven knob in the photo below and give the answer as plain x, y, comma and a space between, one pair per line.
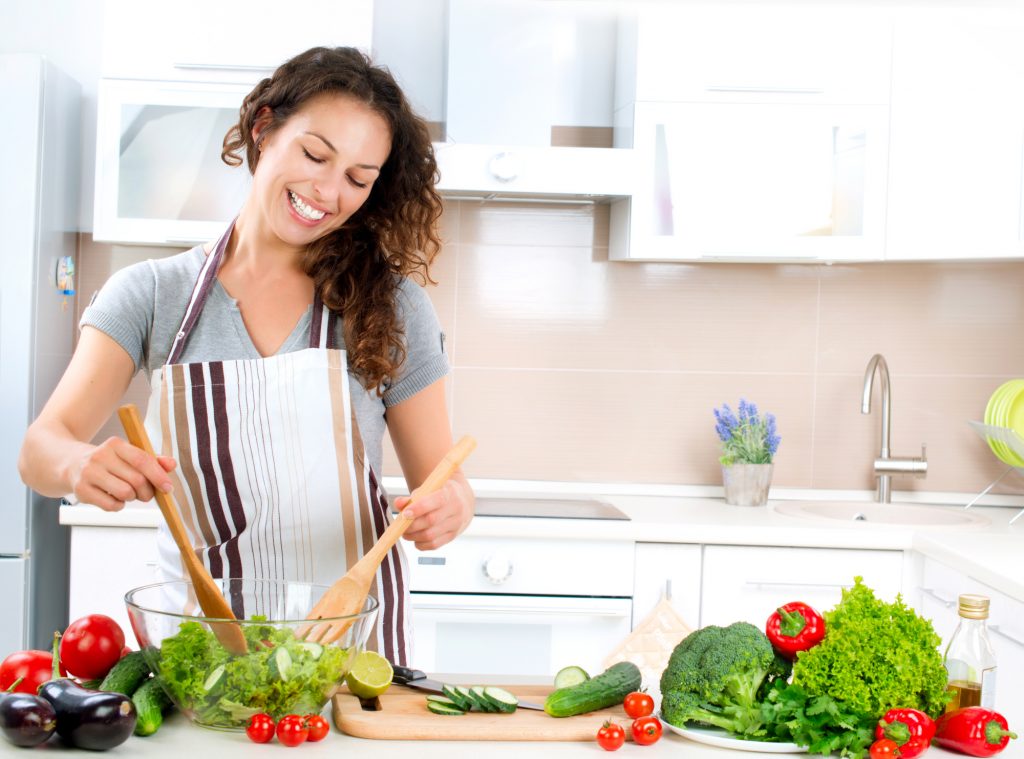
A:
497, 568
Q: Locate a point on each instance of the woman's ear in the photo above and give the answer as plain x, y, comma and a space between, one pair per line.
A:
263, 118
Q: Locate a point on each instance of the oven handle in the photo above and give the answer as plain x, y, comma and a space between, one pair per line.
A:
548, 611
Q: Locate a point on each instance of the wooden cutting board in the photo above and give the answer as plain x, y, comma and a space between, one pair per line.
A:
404, 717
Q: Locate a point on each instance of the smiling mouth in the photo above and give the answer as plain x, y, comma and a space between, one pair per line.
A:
304, 210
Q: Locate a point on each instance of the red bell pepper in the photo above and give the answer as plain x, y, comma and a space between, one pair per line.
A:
911, 729
973, 730
794, 627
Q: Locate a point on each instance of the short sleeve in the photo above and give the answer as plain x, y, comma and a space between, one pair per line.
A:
426, 360
123, 309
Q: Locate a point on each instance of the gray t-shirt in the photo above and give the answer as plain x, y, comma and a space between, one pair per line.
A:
142, 306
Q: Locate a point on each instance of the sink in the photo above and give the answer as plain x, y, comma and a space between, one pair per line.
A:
883, 513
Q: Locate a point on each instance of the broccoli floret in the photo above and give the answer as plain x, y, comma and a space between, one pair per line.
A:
716, 676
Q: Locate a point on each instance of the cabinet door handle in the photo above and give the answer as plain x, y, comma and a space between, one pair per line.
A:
1003, 634
223, 66
539, 610
766, 90
761, 584
948, 603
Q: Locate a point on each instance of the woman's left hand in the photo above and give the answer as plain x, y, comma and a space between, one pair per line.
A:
441, 516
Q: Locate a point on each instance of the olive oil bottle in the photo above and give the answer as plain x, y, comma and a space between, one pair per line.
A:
969, 659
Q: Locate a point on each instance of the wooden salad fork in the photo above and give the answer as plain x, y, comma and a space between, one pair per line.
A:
211, 600
347, 595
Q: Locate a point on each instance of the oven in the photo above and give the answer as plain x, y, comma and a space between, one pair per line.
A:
520, 606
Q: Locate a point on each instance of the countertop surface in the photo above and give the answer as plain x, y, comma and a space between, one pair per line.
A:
990, 553
177, 738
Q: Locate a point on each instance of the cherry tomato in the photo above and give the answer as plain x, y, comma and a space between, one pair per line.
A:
292, 730
260, 728
33, 668
884, 749
611, 736
646, 730
318, 727
638, 704
91, 646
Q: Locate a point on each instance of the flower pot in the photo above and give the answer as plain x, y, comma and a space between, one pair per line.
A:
747, 484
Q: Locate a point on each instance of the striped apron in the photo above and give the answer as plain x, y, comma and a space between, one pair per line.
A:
272, 480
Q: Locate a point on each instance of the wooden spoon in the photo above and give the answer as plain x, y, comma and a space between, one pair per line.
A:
210, 598
347, 595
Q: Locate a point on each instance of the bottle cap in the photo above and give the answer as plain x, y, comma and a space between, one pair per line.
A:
973, 607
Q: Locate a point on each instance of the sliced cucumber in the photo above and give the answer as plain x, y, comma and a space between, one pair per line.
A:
452, 692
569, 676
434, 698
437, 708
501, 699
465, 697
214, 681
314, 649
280, 664
480, 700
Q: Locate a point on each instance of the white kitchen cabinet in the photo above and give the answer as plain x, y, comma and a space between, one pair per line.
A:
107, 562
750, 582
940, 588
667, 568
957, 134
755, 182
225, 41
723, 52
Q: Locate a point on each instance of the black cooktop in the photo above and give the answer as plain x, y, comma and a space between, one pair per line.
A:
547, 508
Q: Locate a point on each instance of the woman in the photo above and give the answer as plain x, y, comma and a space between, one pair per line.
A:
269, 438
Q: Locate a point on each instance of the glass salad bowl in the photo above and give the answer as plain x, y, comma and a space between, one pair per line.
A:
280, 674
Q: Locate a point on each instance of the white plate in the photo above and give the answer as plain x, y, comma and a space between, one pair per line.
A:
714, 736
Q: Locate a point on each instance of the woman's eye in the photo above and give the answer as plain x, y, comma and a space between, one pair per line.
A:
312, 157
360, 185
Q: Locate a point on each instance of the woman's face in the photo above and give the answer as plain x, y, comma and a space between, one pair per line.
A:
317, 169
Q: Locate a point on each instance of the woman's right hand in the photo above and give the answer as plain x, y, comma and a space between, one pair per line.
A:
116, 471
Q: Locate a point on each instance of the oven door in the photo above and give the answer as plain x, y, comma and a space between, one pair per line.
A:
495, 634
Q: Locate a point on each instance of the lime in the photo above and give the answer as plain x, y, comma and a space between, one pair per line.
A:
370, 675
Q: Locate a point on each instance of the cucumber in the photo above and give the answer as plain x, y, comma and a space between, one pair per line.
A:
126, 675
465, 697
434, 698
568, 676
437, 708
607, 689
452, 692
213, 682
280, 664
501, 699
150, 704
313, 649
480, 700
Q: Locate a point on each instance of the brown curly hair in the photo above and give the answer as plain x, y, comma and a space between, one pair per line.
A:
357, 268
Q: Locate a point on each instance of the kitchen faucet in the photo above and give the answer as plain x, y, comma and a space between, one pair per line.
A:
885, 465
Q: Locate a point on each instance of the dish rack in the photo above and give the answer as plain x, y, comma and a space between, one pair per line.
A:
1008, 437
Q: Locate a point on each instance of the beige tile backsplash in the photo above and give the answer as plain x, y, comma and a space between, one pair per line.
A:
568, 366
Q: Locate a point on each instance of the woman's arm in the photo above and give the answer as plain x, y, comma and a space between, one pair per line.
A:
56, 456
421, 435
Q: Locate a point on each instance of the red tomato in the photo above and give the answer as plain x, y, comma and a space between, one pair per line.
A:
33, 668
292, 730
318, 727
260, 728
646, 730
91, 646
884, 749
611, 736
638, 704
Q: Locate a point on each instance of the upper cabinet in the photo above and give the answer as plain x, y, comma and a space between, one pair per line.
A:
760, 134
957, 133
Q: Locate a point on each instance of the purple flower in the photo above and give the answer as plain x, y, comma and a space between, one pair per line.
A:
746, 438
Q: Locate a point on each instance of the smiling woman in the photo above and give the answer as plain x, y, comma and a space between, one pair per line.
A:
280, 353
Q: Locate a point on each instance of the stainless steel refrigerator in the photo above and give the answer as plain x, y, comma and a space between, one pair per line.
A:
40, 155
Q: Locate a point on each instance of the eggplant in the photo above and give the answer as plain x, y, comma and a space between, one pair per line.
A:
26, 720
90, 719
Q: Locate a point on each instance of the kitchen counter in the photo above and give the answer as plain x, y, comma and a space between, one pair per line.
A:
178, 738
989, 553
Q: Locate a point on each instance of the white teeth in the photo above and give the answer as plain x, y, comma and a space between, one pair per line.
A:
304, 210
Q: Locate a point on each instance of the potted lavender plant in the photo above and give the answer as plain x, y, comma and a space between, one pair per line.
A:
749, 444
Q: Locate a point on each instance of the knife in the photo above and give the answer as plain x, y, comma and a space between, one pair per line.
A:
414, 678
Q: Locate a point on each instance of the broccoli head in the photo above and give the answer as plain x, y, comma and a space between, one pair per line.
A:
717, 675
